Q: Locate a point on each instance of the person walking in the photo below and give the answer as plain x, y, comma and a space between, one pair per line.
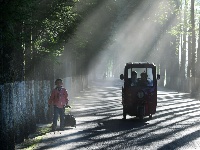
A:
59, 99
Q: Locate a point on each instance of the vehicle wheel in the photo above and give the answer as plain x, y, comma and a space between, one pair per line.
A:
124, 114
141, 118
150, 116
141, 113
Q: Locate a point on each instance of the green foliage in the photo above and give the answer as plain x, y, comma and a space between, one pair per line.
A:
57, 28
51, 24
13, 15
165, 10
182, 12
95, 26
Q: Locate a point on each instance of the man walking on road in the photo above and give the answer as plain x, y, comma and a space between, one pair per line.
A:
59, 99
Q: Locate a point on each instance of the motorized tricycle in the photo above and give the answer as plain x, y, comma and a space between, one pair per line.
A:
139, 92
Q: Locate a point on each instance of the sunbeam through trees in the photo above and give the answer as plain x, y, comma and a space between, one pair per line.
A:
80, 41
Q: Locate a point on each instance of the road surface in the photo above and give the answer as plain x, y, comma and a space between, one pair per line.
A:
98, 112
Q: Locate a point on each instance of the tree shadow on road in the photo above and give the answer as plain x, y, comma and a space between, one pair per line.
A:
117, 125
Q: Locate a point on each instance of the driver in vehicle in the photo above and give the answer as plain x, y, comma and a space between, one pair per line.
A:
133, 78
143, 81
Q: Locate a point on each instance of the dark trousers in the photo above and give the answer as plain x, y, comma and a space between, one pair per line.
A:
61, 112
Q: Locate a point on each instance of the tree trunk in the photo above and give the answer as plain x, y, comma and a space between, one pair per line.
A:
193, 50
183, 52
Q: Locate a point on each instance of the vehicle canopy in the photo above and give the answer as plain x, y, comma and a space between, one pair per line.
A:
139, 73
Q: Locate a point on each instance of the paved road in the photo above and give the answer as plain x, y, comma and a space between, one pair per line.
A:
98, 111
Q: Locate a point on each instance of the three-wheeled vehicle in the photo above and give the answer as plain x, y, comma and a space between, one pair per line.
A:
139, 93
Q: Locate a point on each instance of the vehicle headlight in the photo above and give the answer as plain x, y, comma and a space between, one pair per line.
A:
140, 94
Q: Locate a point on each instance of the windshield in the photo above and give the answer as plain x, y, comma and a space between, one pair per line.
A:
140, 76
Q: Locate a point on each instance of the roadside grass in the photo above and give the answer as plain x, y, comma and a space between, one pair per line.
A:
34, 139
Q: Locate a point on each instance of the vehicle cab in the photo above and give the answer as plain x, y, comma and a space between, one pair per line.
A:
139, 92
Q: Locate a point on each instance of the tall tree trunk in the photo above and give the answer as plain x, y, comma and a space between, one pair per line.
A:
193, 50
198, 54
183, 48
193, 40
189, 52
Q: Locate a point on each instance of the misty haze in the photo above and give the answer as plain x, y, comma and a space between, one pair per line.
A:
99, 51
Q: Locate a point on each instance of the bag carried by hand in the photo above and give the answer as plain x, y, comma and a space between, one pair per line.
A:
70, 120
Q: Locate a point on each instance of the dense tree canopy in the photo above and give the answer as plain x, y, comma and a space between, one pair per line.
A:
41, 40
37, 35
34, 31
